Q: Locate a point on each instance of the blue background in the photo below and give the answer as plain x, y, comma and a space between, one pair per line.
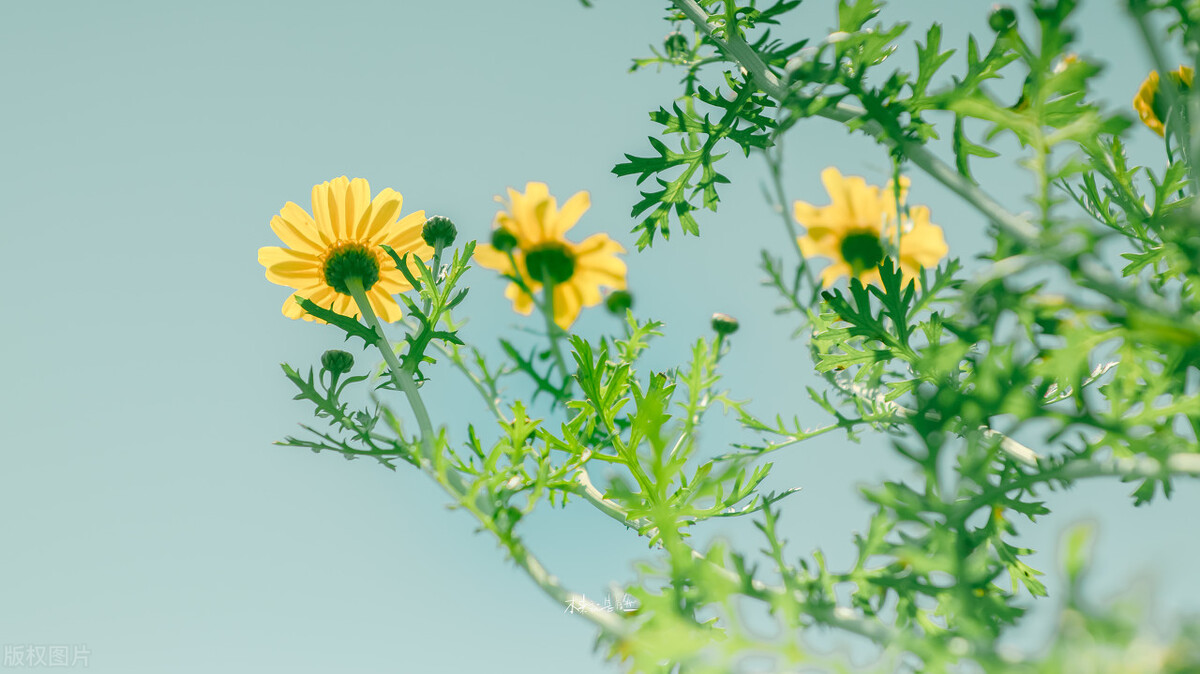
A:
146, 145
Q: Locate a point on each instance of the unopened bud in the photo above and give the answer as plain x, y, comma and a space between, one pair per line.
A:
439, 231
618, 302
676, 45
724, 324
503, 240
1002, 19
337, 361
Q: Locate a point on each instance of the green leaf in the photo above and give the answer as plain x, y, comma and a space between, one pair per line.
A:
350, 326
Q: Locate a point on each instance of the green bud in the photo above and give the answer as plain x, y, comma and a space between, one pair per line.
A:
676, 45
1002, 19
724, 324
618, 301
337, 361
503, 240
438, 230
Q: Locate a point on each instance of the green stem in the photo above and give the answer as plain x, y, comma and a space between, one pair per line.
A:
490, 398
437, 265
547, 310
400, 377
554, 332
775, 164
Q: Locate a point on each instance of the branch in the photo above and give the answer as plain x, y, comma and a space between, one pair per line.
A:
744, 55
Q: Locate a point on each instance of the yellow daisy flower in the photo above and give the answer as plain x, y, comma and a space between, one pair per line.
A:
1149, 106
851, 229
342, 241
534, 229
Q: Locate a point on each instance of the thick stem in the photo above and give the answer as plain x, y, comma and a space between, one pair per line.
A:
553, 331
400, 377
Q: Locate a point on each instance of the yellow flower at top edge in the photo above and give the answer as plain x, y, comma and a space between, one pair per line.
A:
849, 230
1150, 107
542, 253
342, 238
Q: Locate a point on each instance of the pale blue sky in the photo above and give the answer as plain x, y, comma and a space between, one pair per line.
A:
146, 145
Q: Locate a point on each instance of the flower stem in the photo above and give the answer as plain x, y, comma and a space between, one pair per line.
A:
775, 164
402, 378
554, 332
437, 265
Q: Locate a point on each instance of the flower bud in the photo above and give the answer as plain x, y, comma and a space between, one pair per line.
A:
337, 361
676, 45
618, 301
503, 240
1002, 19
439, 231
724, 324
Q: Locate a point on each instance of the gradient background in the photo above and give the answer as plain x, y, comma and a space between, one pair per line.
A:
143, 150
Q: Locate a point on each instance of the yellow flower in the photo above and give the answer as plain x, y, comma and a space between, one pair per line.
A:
849, 230
543, 254
1149, 106
344, 240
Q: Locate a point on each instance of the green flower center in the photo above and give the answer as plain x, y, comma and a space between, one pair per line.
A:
350, 259
862, 251
551, 263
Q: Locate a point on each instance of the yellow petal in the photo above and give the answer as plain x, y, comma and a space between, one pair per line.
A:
323, 206
295, 227
384, 210
272, 255
354, 203
344, 305
488, 257
1186, 75
925, 245
405, 236
910, 272
596, 262
292, 309
321, 295
869, 276
567, 304
833, 272
571, 211
393, 283
385, 306
806, 214
826, 246
287, 267
586, 290
529, 214
1143, 103
522, 301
